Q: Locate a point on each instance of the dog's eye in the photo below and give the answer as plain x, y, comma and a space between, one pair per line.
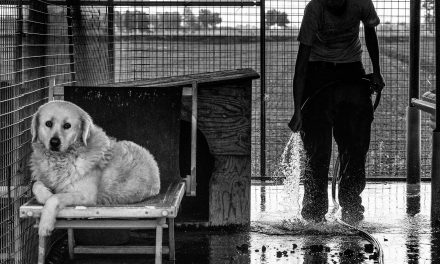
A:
49, 124
66, 126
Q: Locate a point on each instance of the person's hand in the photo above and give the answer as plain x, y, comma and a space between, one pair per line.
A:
377, 81
296, 121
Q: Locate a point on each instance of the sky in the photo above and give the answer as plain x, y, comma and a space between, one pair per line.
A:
390, 11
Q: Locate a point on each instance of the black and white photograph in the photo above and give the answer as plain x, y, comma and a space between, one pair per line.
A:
219, 132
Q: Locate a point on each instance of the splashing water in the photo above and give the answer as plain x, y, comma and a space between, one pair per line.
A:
290, 168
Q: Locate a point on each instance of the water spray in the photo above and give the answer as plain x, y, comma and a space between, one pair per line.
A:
336, 177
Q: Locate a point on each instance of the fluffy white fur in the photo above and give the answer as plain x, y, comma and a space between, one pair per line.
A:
88, 168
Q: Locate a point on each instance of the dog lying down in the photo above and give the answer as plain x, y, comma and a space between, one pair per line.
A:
74, 162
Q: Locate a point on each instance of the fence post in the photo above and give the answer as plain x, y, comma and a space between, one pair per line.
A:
69, 14
263, 89
413, 114
111, 39
435, 172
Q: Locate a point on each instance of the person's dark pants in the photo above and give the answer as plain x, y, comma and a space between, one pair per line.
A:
338, 103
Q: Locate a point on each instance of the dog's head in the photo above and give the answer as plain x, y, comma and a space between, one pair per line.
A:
59, 124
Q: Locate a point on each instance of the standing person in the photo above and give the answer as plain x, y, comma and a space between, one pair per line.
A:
330, 98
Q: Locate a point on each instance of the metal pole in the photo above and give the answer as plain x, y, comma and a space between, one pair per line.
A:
166, 3
193, 181
413, 114
18, 62
263, 89
111, 39
70, 13
435, 172
17, 83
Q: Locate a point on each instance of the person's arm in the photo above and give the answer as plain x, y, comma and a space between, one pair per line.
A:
299, 78
299, 81
373, 50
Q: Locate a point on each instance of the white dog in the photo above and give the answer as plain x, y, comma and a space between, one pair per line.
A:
75, 163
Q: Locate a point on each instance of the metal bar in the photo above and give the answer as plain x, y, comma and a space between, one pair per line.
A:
153, 3
279, 180
413, 114
18, 79
118, 250
435, 171
193, 180
70, 39
414, 50
106, 224
18, 61
413, 145
423, 105
263, 89
437, 65
103, 212
111, 39
171, 241
159, 237
71, 243
435, 179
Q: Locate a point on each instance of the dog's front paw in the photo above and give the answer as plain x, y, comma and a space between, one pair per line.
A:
46, 225
41, 192
45, 228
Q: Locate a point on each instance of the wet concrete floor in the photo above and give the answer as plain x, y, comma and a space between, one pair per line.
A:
399, 222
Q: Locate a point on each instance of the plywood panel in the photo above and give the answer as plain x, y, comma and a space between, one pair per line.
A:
230, 191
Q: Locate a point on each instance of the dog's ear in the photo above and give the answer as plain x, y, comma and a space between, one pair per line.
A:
86, 127
34, 127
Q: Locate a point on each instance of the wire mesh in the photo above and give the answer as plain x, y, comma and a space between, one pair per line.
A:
124, 41
165, 41
48, 44
29, 65
387, 156
153, 40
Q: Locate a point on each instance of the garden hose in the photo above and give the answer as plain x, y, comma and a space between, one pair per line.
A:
362, 233
335, 181
366, 78
336, 168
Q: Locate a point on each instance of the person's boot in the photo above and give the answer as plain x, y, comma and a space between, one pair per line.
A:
314, 209
352, 216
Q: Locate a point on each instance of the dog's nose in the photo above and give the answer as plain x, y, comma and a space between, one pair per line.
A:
55, 142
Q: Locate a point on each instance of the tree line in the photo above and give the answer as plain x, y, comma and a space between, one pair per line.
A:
137, 20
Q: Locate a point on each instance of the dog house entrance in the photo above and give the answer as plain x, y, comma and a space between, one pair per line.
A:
195, 209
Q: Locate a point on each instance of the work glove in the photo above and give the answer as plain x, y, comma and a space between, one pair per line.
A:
296, 121
377, 82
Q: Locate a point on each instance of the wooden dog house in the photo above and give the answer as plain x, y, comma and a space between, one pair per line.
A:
223, 111
223, 102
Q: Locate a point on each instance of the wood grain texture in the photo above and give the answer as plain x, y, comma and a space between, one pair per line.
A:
224, 116
186, 80
230, 191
